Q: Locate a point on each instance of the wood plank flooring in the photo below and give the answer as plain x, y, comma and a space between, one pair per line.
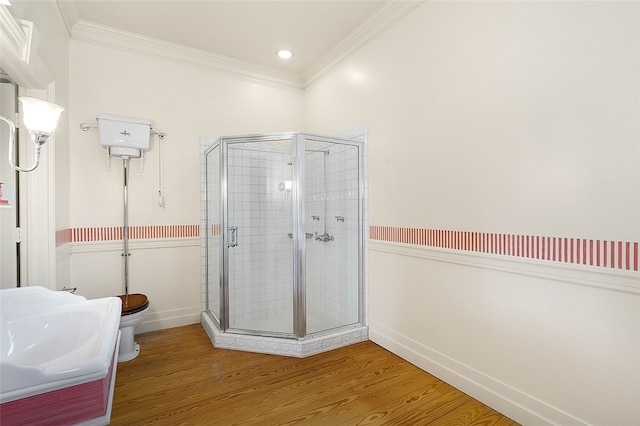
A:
180, 379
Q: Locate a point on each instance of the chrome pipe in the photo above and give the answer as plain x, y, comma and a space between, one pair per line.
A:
86, 126
38, 138
125, 234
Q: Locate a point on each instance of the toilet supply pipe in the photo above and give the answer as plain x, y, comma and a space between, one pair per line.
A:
125, 236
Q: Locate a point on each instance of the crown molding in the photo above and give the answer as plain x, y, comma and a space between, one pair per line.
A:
383, 19
69, 13
101, 35
19, 47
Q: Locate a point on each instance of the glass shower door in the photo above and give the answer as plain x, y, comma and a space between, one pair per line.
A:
259, 235
333, 213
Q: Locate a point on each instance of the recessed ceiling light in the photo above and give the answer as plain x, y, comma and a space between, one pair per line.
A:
285, 54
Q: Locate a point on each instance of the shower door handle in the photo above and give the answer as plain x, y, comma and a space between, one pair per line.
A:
233, 236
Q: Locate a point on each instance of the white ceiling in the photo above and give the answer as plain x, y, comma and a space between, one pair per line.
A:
249, 31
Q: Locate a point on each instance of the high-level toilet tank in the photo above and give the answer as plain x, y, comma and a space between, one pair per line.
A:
57, 357
124, 136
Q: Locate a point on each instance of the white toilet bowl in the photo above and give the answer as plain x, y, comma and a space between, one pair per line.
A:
134, 308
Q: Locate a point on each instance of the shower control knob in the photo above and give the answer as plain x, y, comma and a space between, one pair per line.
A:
324, 237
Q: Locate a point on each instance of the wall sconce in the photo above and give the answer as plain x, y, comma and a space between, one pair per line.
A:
40, 117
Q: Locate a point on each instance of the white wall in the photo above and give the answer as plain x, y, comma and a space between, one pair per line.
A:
511, 118
185, 102
45, 202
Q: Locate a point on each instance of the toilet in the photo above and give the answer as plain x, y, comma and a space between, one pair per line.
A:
134, 308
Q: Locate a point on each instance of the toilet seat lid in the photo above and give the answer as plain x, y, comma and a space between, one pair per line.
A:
133, 303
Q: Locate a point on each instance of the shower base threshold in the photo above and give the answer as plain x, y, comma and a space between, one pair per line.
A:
283, 346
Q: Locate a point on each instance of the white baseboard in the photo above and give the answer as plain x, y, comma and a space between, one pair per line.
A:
511, 402
168, 319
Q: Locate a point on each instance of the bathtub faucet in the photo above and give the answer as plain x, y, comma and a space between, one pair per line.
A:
71, 290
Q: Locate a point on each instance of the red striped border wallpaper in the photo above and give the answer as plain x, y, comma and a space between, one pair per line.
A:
139, 232
603, 253
63, 237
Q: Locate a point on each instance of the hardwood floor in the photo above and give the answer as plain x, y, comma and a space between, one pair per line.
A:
180, 379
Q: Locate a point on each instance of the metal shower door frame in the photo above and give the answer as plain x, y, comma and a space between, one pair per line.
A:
226, 240
361, 217
209, 150
298, 141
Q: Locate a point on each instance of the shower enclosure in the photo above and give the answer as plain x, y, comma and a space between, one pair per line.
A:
283, 242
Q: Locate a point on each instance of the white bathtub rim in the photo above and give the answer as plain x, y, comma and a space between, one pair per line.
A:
64, 373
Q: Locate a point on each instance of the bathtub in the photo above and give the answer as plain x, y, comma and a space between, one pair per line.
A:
57, 357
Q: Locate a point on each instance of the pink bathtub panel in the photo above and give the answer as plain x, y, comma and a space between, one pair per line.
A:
60, 407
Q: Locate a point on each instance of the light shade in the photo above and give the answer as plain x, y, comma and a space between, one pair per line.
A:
40, 115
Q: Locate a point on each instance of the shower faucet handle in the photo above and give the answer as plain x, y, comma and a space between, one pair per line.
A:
324, 237
233, 236
340, 218
314, 217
